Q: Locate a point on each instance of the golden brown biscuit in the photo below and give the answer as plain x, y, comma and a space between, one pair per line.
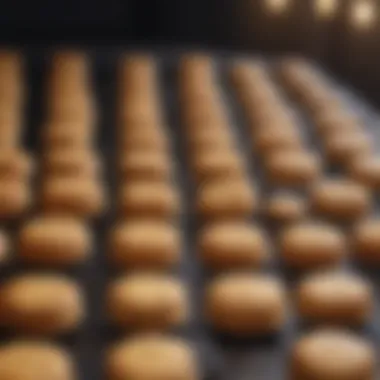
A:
366, 241
35, 361
246, 305
145, 244
67, 135
286, 207
15, 199
196, 61
144, 141
15, 165
366, 170
233, 245
147, 301
343, 148
139, 116
203, 118
333, 298
169, 358
145, 165
69, 62
208, 139
138, 104
73, 108
146, 138
40, 304
139, 68
149, 199
340, 199
73, 196
54, 241
229, 198
71, 163
332, 354
273, 139
330, 123
214, 164
310, 246
137, 63
292, 168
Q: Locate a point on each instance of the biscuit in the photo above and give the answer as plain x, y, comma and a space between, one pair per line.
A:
365, 241
169, 358
148, 138
292, 168
54, 241
273, 139
341, 149
35, 361
140, 122
149, 199
73, 196
366, 170
67, 135
15, 165
340, 199
40, 304
74, 109
147, 301
15, 199
330, 123
139, 107
285, 208
311, 245
334, 299
332, 354
71, 163
228, 198
209, 139
214, 164
144, 244
72, 63
144, 165
239, 245
246, 305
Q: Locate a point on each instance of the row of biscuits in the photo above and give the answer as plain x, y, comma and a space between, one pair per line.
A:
352, 144
343, 137
137, 302
71, 171
145, 162
320, 298
49, 304
12, 98
223, 189
273, 129
145, 244
290, 162
229, 244
275, 140
16, 164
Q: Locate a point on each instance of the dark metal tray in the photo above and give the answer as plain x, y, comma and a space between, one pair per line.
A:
220, 357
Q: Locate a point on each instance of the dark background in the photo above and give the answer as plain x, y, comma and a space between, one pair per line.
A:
218, 24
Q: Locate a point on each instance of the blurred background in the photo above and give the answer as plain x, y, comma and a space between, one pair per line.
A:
342, 34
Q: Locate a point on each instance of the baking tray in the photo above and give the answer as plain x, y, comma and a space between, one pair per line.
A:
220, 357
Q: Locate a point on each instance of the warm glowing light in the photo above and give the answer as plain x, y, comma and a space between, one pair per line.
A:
363, 14
277, 6
325, 8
